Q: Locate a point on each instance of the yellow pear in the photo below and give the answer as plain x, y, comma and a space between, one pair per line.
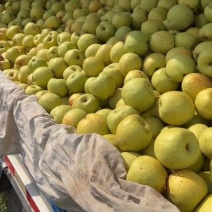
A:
205, 205
176, 148
175, 108
133, 133
185, 189
93, 123
147, 170
129, 157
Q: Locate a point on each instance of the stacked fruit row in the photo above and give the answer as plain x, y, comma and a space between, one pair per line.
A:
136, 72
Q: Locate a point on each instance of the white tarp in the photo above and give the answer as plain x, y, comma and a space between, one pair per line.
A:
77, 172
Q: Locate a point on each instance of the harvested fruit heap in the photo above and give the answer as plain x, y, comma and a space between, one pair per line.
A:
136, 72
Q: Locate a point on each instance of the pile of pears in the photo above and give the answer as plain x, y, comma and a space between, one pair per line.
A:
136, 72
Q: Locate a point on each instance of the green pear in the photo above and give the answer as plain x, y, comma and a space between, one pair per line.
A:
185, 17
147, 6
203, 103
111, 138
136, 42
205, 204
180, 65
204, 62
197, 129
113, 70
146, 170
103, 86
204, 142
175, 108
150, 26
202, 46
73, 116
185, 39
49, 101
117, 51
176, 51
139, 94
153, 62
129, 61
162, 82
161, 42
158, 13
155, 123
200, 20
42, 75
206, 177
71, 69
88, 66
174, 152
58, 86
33, 89
86, 40
104, 111
205, 33
57, 65
135, 74
115, 98
92, 49
93, 123
58, 112
138, 16
75, 82
129, 157
133, 133
117, 115
198, 164
86, 102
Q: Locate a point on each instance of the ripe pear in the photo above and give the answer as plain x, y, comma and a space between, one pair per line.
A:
49, 101
206, 177
135, 74
185, 189
185, 17
205, 205
117, 115
205, 142
129, 61
58, 112
155, 123
180, 65
129, 157
93, 123
161, 42
162, 82
176, 148
177, 50
175, 108
133, 134
136, 42
197, 129
110, 138
73, 116
139, 94
203, 103
103, 86
146, 170
149, 150
104, 112
204, 62
193, 83
198, 164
